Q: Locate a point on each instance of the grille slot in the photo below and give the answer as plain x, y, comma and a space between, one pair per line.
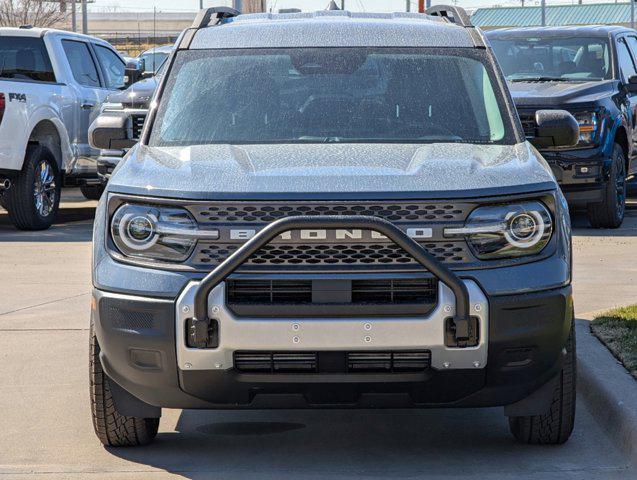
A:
138, 124
528, 123
273, 362
395, 291
352, 362
253, 212
268, 291
321, 255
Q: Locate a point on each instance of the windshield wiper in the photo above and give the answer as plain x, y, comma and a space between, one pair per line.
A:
540, 79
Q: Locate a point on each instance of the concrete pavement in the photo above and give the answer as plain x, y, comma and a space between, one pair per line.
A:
45, 426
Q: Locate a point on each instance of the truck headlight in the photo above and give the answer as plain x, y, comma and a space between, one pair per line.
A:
588, 127
507, 231
153, 232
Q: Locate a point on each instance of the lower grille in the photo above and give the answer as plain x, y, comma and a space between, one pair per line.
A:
332, 362
210, 254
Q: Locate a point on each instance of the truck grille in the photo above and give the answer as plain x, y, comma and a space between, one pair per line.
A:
249, 212
332, 362
138, 125
528, 123
322, 255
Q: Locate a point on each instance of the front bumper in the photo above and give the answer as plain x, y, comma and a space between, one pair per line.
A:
107, 161
581, 173
521, 348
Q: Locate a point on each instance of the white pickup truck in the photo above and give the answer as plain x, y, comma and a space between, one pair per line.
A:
52, 84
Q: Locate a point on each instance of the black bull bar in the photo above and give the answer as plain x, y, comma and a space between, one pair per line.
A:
200, 325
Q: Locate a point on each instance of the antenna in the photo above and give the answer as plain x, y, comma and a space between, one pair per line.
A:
332, 6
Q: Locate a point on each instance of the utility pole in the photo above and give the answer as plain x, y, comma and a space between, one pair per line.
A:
73, 16
342, 4
408, 6
543, 8
200, 4
236, 4
84, 18
632, 13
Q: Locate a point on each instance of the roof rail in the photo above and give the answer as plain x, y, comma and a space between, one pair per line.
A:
453, 14
204, 16
204, 19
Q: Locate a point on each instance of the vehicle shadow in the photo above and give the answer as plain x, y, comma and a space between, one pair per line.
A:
71, 225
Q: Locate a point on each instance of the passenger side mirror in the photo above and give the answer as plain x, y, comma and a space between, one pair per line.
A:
111, 131
631, 86
555, 128
133, 72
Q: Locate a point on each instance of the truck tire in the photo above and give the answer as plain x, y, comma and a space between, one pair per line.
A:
556, 425
112, 428
34, 198
610, 212
92, 192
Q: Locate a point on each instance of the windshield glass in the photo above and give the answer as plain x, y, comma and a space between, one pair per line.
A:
153, 61
553, 58
320, 95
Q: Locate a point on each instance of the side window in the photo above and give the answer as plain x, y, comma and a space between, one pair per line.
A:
25, 58
632, 45
624, 60
112, 66
82, 64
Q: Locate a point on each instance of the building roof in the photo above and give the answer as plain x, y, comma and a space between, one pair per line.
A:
333, 28
556, 15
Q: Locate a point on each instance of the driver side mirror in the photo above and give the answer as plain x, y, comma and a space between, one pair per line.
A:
555, 128
631, 86
133, 72
112, 131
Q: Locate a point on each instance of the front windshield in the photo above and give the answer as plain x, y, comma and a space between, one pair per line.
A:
317, 95
555, 58
153, 61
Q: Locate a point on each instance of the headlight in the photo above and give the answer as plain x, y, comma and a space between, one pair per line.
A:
153, 232
588, 127
507, 231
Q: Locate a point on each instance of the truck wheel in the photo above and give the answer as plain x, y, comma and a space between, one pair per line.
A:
34, 198
112, 428
610, 212
92, 192
556, 425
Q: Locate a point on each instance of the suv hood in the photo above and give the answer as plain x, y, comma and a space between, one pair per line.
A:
331, 170
138, 95
560, 93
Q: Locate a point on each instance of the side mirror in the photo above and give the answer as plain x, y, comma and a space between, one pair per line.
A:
555, 128
111, 131
148, 74
631, 86
133, 72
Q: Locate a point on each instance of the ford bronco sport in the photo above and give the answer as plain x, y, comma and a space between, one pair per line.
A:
332, 209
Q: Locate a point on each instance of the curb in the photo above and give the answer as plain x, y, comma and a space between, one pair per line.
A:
608, 389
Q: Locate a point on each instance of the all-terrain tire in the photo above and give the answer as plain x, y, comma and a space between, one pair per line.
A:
20, 199
112, 428
556, 425
610, 212
92, 192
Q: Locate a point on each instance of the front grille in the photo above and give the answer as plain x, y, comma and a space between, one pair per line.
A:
259, 212
210, 254
332, 362
138, 124
278, 292
528, 123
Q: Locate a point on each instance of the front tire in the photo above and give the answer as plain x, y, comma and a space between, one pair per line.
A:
34, 198
112, 428
555, 425
610, 212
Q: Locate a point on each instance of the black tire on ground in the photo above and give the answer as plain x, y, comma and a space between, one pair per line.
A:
556, 425
112, 428
610, 212
40, 168
92, 192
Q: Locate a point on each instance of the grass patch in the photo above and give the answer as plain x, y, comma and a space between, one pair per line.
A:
618, 330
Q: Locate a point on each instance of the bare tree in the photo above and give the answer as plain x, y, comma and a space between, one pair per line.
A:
38, 13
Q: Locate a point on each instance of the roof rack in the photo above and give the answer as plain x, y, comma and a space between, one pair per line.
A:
453, 14
204, 16
205, 19
458, 16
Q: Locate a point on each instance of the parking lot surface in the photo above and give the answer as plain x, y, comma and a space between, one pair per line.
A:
46, 428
